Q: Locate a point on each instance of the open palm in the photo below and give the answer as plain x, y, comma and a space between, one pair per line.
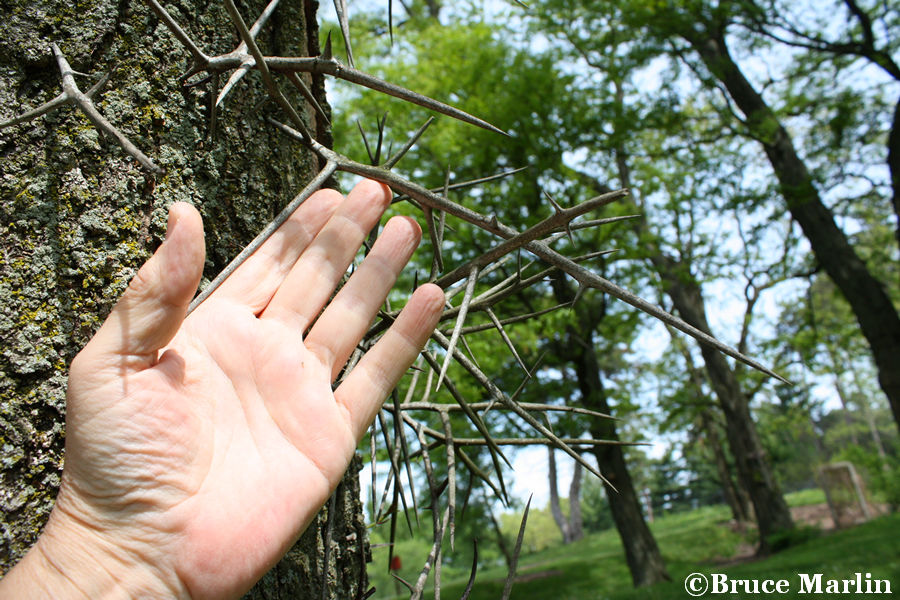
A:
204, 446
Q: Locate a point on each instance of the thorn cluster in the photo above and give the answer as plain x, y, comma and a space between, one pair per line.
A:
71, 94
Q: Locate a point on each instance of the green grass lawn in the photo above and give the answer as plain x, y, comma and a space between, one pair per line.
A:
697, 541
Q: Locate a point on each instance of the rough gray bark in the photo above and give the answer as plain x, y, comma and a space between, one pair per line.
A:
78, 217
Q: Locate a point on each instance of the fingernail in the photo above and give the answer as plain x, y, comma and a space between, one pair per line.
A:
171, 224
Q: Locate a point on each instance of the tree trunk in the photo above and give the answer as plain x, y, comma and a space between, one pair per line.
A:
772, 513
576, 522
735, 495
869, 418
739, 505
79, 216
876, 314
555, 508
893, 161
754, 473
873, 431
845, 405
641, 551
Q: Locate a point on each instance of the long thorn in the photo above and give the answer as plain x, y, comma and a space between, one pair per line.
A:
199, 57
506, 340
263, 67
310, 97
393, 160
43, 109
340, 7
232, 81
460, 320
511, 576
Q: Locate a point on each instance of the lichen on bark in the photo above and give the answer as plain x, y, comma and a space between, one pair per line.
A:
78, 216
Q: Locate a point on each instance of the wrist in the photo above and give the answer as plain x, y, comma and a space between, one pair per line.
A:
73, 561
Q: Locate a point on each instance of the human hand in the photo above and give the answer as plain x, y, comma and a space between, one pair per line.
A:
199, 449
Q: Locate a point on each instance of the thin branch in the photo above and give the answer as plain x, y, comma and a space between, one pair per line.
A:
435, 548
494, 450
451, 474
530, 406
463, 184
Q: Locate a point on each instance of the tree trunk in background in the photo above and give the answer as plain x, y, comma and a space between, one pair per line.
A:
893, 161
642, 554
735, 495
737, 502
641, 551
576, 522
79, 217
754, 471
845, 404
876, 314
873, 429
571, 528
555, 508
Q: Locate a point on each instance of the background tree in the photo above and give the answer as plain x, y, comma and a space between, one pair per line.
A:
683, 181
571, 526
447, 52
701, 35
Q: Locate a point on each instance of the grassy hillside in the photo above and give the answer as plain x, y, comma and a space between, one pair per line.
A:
697, 541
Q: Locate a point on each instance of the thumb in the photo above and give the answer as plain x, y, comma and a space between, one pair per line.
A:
148, 315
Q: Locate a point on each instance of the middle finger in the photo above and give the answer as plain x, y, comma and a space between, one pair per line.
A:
317, 272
